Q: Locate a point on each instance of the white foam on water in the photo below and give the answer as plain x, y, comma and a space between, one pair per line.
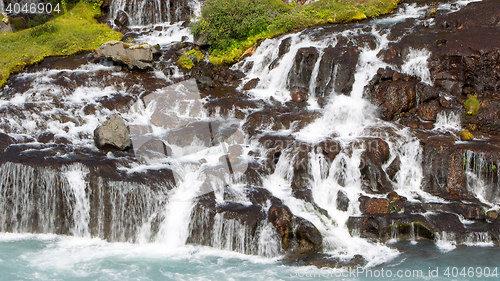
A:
416, 63
448, 121
169, 33
75, 175
445, 241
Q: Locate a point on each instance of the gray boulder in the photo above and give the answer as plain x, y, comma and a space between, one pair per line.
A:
113, 134
6, 26
138, 55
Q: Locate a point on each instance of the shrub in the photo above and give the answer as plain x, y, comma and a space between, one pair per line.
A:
38, 20
47, 28
472, 105
225, 22
189, 58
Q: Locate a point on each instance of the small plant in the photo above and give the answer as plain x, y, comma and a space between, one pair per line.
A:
465, 135
47, 28
472, 105
38, 20
191, 57
185, 62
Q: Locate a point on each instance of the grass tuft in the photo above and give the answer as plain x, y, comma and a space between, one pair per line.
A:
232, 26
75, 31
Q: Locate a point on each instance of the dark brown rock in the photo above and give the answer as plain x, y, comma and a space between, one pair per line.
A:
392, 97
429, 110
344, 60
251, 84
342, 201
301, 72
112, 134
299, 96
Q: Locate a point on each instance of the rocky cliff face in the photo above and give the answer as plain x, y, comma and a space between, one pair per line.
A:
357, 130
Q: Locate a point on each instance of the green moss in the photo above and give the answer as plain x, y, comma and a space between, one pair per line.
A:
421, 229
196, 54
465, 135
70, 33
254, 20
186, 60
19, 23
472, 105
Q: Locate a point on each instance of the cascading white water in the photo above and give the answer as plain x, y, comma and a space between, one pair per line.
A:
345, 118
445, 241
174, 230
136, 10
416, 64
18, 184
480, 174
447, 121
2, 9
75, 176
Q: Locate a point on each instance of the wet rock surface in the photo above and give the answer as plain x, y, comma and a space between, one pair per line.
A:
267, 132
133, 55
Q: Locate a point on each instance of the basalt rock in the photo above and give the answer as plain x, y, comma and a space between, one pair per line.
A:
465, 60
373, 176
445, 164
392, 97
122, 20
429, 110
113, 134
278, 118
133, 55
336, 71
297, 234
301, 72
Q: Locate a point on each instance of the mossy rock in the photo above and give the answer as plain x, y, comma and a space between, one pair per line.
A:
185, 62
189, 59
421, 229
465, 135
493, 214
472, 105
19, 23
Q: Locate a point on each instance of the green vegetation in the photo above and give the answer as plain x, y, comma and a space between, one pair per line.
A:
465, 135
232, 26
188, 59
472, 105
75, 31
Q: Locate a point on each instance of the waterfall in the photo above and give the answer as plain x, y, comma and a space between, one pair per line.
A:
445, 241
448, 121
174, 230
30, 199
481, 175
139, 12
75, 176
413, 236
181, 184
2, 8
416, 64
153, 12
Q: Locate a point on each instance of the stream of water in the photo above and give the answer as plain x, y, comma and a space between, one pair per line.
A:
142, 232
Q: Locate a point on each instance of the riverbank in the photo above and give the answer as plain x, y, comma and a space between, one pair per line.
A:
73, 32
256, 20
